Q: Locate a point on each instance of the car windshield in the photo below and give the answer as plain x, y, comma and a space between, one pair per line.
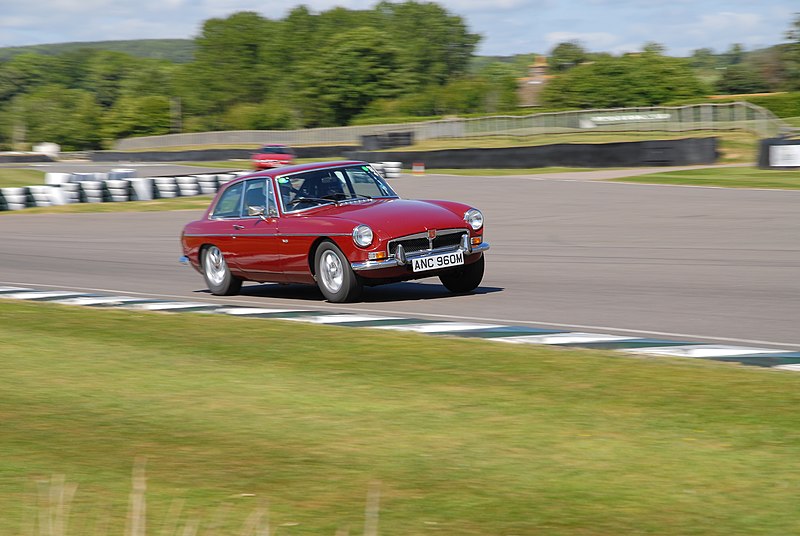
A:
322, 186
275, 150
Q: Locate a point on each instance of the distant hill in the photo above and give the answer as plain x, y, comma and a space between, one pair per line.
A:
174, 50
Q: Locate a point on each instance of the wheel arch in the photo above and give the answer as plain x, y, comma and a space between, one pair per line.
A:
312, 252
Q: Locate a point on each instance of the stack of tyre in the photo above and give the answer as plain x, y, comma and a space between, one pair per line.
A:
392, 170
13, 198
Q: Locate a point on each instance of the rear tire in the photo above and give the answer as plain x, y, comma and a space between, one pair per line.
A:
465, 278
335, 278
220, 280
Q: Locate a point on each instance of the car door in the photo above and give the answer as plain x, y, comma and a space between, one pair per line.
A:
223, 222
256, 236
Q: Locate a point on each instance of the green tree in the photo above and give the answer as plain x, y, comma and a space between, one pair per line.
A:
735, 54
565, 56
791, 55
69, 117
230, 64
24, 73
356, 67
703, 58
147, 115
434, 45
645, 79
106, 72
741, 78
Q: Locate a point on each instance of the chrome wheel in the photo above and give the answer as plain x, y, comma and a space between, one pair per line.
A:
331, 271
215, 266
220, 280
335, 278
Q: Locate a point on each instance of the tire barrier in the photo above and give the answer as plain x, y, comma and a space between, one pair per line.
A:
119, 185
121, 173
117, 190
377, 166
165, 188
187, 186
225, 178
392, 170
15, 198
57, 179
92, 191
208, 184
72, 192
40, 196
141, 188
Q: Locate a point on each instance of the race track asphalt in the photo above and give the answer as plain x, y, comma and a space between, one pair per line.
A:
567, 250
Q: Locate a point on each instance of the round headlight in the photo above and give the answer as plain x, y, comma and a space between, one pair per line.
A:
474, 218
362, 236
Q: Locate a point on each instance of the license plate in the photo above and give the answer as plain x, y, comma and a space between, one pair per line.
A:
434, 262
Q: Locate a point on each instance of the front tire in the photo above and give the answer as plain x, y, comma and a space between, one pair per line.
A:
219, 279
464, 279
335, 278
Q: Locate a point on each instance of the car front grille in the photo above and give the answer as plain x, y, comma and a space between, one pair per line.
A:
447, 238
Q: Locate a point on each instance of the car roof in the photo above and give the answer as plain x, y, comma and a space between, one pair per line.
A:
299, 168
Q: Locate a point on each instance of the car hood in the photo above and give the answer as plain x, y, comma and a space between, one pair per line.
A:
400, 217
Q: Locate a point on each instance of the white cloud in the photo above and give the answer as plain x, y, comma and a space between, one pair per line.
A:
727, 22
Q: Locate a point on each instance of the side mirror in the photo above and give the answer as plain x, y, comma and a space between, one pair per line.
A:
255, 210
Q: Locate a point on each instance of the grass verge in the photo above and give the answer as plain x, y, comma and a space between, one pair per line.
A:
18, 178
736, 177
461, 436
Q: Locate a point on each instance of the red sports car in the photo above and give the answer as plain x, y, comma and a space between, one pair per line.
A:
272, 156
338, 225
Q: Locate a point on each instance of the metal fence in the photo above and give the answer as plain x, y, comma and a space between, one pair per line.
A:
698, 117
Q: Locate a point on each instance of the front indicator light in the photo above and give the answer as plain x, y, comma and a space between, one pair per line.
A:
377, 255
476, 240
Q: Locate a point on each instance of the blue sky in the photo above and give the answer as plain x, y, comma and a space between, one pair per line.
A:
507, 26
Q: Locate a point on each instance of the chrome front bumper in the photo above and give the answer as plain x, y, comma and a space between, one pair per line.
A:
393, 262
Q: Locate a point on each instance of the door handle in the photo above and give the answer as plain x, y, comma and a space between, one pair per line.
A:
238, 227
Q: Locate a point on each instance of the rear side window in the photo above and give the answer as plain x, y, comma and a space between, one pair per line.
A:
230, 202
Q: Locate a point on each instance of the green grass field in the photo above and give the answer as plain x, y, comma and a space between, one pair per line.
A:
17, 178
725, 177
459, 436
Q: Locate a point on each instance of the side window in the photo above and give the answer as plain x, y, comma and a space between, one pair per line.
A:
229, 203
254, 195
